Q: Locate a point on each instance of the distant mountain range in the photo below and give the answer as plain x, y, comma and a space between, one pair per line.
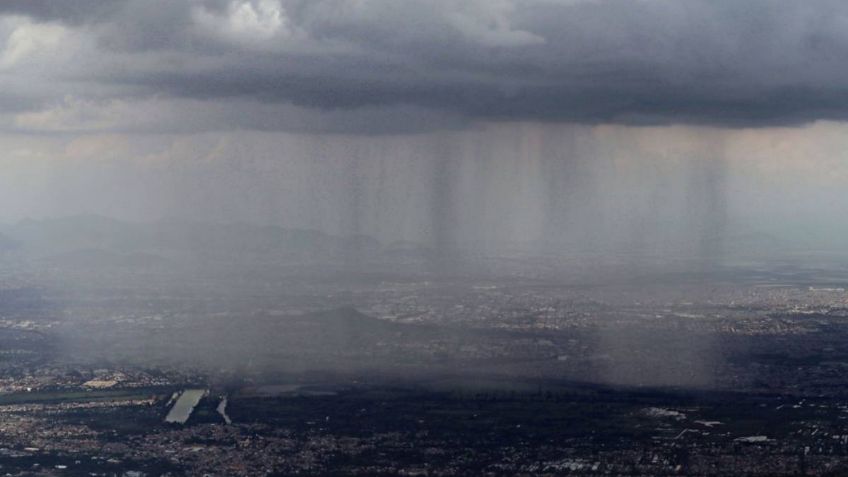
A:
83, 237
7, 243
98, 240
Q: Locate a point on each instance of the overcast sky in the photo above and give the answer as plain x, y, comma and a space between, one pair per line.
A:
102, 101
412, 64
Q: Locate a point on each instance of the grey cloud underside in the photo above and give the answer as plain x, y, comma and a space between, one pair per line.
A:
74, 12
686, 61
655, 104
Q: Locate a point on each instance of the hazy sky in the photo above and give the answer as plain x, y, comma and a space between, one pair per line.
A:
436, 119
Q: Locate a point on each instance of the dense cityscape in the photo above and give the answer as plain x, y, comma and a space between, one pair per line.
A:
151, 370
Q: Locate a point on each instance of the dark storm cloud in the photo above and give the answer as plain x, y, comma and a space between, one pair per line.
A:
75, 12
725, 62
